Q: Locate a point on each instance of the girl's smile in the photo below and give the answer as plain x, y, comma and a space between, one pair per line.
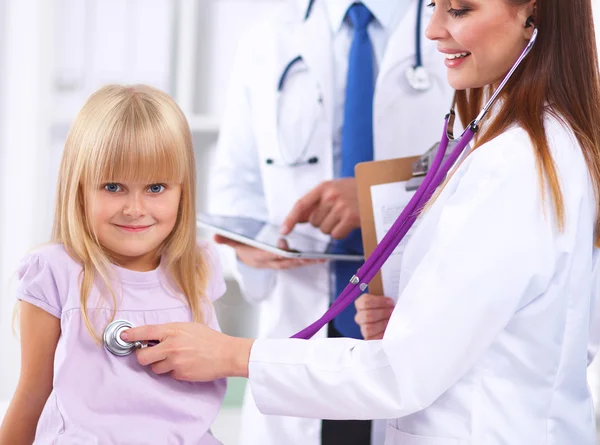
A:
132, 220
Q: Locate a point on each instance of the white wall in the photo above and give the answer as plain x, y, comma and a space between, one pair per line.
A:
24, 191
3, 36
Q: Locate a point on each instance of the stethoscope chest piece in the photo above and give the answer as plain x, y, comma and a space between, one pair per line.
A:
418, 78
112, 338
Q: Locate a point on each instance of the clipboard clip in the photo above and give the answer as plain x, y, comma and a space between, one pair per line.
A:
421, 166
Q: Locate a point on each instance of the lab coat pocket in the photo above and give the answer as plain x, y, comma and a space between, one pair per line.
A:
394, 436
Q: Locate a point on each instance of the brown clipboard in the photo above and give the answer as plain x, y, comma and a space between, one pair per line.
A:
375, 173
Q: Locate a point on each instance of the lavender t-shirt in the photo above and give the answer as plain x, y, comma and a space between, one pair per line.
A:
99, 398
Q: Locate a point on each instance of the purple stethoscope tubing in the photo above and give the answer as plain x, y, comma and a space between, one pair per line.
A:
396, 233
435, 175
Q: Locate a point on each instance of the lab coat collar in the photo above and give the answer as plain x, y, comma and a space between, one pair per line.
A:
384, 11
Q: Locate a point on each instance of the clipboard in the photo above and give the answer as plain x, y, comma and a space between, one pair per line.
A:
375, 173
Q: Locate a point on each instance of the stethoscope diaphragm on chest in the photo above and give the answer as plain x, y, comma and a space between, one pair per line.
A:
115, 344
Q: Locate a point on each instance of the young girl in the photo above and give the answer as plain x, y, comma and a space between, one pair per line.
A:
124, 247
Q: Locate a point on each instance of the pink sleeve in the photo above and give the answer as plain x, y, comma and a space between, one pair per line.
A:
216, 282
37, 285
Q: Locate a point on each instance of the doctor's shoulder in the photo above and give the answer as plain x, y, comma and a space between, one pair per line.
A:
513, 148
510, 162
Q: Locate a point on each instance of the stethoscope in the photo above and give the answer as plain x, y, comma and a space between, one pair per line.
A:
115, 344
434, 177
416, 76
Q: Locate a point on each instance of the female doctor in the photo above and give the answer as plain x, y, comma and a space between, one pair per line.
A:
488, 341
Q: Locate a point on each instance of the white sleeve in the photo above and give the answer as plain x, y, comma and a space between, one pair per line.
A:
594, 340
236, 186
492, 252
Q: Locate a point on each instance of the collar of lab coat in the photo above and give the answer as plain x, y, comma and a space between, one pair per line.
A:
384, 11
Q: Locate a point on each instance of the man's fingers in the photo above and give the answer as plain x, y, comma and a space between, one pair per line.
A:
329, 222
285, 263
225, 241
255, 257
302, 209
320, 212
342, 229
145, 333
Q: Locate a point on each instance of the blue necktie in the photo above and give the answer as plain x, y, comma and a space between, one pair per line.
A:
357, 144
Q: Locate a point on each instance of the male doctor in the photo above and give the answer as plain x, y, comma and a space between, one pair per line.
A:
317, 87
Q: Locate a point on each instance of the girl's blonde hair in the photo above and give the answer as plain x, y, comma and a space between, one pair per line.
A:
138, 134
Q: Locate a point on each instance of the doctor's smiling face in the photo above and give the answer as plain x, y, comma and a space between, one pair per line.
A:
481, 39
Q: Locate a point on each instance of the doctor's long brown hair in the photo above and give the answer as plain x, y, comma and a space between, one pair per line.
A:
561, 70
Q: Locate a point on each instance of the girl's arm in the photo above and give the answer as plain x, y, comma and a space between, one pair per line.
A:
39, 336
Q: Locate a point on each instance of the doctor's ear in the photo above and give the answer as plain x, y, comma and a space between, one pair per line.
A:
530, 22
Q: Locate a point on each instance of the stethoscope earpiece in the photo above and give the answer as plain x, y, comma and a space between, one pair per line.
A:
530, 22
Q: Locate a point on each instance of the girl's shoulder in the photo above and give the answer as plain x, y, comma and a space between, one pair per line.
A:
44, 277
53, 258
215, 287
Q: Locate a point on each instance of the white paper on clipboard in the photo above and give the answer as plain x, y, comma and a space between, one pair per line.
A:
388, 202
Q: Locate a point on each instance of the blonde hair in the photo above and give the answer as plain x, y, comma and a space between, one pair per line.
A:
139, 134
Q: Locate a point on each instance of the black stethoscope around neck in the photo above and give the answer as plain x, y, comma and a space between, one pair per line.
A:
416, 75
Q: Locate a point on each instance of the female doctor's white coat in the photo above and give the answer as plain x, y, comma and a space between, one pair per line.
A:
488, 342
260, 124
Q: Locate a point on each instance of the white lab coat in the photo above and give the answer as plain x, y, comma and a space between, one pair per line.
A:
258, 125
488, 343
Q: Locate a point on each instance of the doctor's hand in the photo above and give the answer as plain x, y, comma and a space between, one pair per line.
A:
260, 259
373, 313
332, 207
191, 351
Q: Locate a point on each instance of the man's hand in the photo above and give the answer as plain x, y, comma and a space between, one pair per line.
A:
373, 314
332, 207
260, 259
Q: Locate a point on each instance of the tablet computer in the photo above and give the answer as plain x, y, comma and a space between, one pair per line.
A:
266, 236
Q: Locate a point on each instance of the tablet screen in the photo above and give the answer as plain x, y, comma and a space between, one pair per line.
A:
265, 235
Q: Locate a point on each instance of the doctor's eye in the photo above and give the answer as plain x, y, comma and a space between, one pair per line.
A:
112, 187
156, 188
457, 13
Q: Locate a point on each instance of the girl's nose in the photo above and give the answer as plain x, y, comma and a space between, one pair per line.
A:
134, 206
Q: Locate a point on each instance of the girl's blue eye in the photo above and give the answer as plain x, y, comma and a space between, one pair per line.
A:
156, 188
431, 5
112, 187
